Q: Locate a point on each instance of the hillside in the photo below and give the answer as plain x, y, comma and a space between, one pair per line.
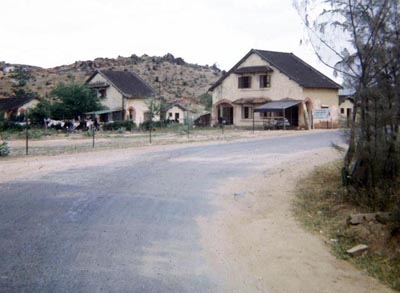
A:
178, 79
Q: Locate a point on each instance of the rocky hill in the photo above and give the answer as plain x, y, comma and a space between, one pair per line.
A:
172, 77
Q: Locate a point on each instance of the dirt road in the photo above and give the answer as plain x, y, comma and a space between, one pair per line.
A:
198, 218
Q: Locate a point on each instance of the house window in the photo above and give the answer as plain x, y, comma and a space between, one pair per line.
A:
170, 114
102, 92
341, 110
244, 82
247, 112
266, 114
265, 80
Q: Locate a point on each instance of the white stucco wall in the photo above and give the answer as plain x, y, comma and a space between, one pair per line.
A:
321, 98
113, 98
281, 86
175, 110
140, 107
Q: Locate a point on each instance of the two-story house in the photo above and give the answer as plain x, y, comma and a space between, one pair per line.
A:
262, 77
124, 94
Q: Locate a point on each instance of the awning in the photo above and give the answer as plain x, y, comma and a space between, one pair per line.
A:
253, 69
251, 101
103, 112
277, 106
97, 85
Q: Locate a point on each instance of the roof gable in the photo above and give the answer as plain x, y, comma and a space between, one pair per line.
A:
298, 70
290, 65
127, 82
14, 102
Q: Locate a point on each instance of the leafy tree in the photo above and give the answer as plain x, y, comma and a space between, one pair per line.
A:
40, 112
154, 108
206, 100
360, 40
73, 100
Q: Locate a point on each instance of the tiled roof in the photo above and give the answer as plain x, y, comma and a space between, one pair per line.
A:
128, 83
298, 70
14, 103
290, 65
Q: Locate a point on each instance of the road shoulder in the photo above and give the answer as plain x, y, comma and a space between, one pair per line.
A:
256, 245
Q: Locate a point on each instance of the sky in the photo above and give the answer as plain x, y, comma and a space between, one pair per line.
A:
49, 33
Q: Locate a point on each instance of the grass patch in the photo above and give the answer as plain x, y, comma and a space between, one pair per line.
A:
321, 207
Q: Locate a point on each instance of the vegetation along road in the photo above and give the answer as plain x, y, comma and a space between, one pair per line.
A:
188, 218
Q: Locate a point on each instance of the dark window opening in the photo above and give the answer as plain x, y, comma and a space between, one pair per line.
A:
244, 82
247, 112
265, 81
102, 92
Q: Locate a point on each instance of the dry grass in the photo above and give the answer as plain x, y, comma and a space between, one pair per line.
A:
321, 207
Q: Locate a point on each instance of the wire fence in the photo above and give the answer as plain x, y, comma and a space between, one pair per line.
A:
52, 142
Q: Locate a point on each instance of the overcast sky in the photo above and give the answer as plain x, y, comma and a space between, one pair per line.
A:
49, 33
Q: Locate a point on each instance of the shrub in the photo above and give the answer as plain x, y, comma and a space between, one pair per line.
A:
10, 125
121, 130
4, 149
156, 124
116, 125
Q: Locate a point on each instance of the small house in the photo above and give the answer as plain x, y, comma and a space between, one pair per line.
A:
124, 95
16, 106
176, 112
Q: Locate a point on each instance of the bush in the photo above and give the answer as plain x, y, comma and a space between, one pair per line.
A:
40, 112
4, 149
10, 125
156, 124
34, 134
116, 125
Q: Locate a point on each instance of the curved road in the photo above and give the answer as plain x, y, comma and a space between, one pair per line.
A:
126, 227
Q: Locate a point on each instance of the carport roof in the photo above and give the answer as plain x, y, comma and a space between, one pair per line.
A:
277, 106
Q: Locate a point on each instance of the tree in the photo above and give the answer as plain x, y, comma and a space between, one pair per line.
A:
41, 111
206, 100
359, 39
72, 101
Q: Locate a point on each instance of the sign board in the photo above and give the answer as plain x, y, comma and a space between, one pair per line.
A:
322, 114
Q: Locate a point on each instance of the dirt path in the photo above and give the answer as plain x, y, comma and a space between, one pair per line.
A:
257, 246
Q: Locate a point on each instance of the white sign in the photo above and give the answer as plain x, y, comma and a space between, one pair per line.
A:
322, 114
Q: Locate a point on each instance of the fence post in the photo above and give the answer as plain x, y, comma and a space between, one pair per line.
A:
151, 127
93, 129
26, 133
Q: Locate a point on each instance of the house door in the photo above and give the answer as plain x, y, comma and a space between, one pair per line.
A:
177, 117
292, 114
225, 113
348, 116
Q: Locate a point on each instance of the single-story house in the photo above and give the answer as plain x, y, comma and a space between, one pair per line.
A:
14, 107
262, 77
176, 112
124, 95
346, 105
